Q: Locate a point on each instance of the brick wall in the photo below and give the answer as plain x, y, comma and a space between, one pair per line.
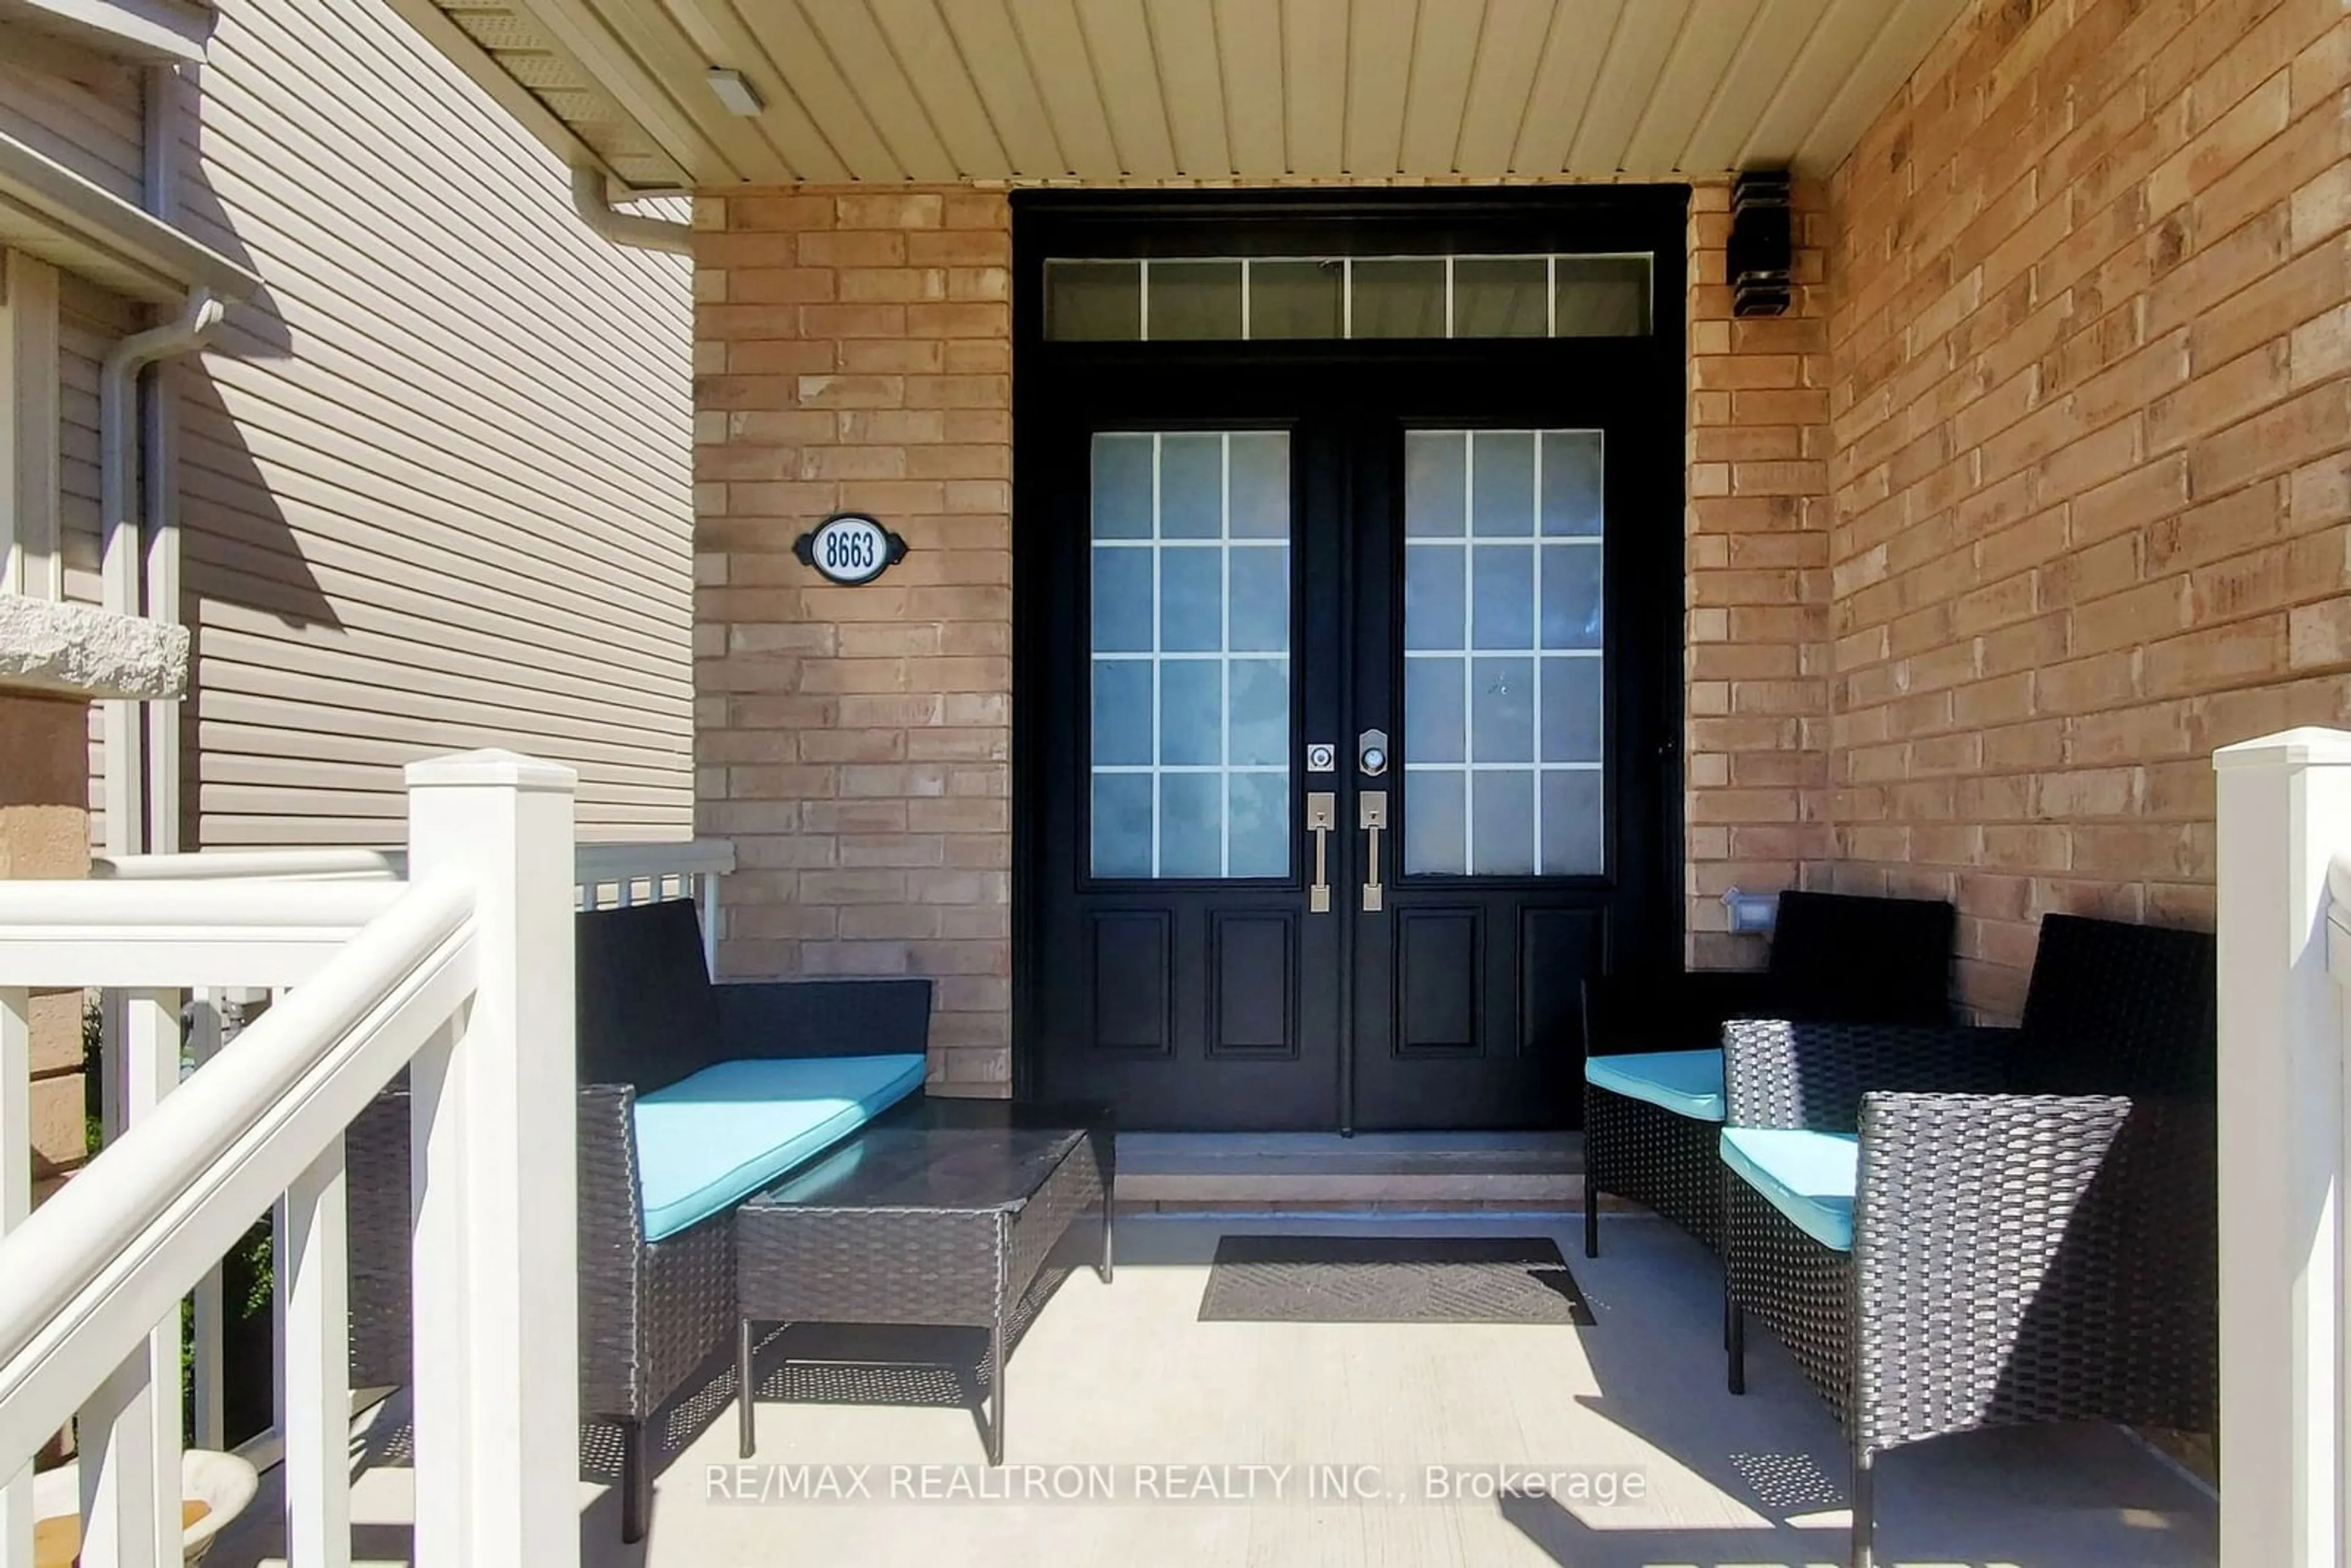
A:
854, 350
1756, 629
2089, 339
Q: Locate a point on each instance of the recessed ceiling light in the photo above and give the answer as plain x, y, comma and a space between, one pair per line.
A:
739, 96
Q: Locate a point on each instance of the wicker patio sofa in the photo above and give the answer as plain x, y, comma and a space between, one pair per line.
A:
692, 1096
1962, 1228
1653, 1072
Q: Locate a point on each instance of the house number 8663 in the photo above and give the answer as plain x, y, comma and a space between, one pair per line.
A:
849, 547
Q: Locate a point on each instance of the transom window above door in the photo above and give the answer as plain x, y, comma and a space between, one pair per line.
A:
1270, 299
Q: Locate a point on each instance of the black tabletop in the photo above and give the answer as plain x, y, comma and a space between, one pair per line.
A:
940, 1152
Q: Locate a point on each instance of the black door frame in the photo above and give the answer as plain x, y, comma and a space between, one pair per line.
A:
1651, 219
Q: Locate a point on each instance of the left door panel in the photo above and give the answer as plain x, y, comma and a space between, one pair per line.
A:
1181, 950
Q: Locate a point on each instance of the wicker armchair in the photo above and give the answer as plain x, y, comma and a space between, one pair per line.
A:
2031, 1232
652, 1313
1653, 1099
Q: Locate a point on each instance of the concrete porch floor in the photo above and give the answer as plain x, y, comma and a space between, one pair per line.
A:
1124, 1375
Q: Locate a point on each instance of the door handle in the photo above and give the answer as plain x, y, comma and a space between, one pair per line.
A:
1372, 816
1321, 816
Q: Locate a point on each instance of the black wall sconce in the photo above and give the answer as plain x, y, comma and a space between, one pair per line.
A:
1761, 251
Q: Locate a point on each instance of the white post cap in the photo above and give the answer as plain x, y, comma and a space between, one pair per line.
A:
2307, 746
493, 765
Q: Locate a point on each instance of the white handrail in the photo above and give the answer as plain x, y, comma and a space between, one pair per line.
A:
251, 865
690, 857
179, 934
101, 911
94, 1268
596, 862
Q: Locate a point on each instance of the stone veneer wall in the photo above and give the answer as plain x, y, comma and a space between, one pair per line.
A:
2091, 339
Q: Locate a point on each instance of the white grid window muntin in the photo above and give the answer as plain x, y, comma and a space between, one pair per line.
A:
1168, 524
1249, 268
1550, 795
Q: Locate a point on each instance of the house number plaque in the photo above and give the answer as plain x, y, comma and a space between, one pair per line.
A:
849, 547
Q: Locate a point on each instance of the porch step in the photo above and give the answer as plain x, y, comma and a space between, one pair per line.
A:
1387, 1169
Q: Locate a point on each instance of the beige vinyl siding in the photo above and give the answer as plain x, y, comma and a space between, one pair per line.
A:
74, 107
433, 487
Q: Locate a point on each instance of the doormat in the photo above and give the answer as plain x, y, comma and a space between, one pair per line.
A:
1391, 1280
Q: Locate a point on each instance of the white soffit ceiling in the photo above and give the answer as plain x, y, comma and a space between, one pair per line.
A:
1113, 92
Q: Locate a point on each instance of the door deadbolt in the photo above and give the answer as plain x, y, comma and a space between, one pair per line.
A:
1372, 752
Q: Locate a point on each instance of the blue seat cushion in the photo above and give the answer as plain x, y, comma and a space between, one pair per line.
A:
1686, 1083
713, 1139
1808, 1177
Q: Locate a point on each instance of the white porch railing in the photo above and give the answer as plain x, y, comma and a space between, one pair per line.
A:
608, 876
2284, 929
462, 975
604, 876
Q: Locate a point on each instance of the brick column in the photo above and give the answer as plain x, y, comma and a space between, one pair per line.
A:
45, 832
854, 352
1756, 625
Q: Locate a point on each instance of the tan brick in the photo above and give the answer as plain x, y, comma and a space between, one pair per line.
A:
2315, 421
961, 248
910, 210
890, 284
778, 285
790, 214
2222, 396
2227, 142
2321, 636
893, 357
863, 248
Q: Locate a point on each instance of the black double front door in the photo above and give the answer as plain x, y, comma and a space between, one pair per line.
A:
1348, 680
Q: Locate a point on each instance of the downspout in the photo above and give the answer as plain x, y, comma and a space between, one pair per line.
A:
159, 458
593, 202
139, 572
121, 563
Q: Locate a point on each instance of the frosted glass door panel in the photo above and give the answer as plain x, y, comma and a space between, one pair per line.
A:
1192, 692
1503, 693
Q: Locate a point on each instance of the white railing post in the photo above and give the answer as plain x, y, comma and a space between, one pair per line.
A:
15, 1203
314, 1398
496, 1379
2285, 809
130, 1430
208, 1318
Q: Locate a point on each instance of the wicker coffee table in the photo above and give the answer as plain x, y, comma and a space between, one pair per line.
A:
940, 1213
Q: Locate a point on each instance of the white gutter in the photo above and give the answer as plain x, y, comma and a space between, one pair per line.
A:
592, 200
120, 564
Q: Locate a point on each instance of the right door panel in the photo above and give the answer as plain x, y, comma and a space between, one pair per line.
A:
1525, 770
